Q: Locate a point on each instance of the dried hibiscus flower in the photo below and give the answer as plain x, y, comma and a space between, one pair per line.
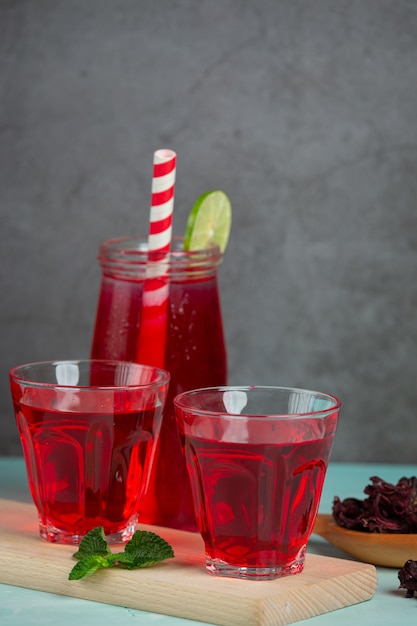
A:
387, 509
408, 577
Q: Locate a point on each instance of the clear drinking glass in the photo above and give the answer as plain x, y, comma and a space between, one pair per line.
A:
195, 351
88, 431
257, 458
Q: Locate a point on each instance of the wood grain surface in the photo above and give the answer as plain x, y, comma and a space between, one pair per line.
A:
181, 586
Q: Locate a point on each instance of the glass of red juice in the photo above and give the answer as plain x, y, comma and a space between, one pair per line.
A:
257, 460
195, 352
88, 430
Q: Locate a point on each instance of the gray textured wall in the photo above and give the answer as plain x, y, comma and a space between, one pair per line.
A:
304, 112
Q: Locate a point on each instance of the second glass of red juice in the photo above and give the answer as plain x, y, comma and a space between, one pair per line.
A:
195, 351
257, 458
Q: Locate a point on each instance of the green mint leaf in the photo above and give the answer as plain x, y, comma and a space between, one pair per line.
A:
87, 566
145, 549
93, 544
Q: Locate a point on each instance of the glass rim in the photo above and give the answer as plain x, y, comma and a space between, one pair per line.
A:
127, 258
179, 402
163, 376
117, 246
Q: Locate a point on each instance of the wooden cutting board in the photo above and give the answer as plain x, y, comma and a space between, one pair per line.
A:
181, 586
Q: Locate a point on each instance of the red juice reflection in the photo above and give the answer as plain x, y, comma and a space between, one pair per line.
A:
243, 491
195, 354
83, 470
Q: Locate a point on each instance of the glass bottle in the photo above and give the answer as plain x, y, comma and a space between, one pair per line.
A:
195, 352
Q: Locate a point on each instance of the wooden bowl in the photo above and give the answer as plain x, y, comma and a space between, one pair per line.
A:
385, 549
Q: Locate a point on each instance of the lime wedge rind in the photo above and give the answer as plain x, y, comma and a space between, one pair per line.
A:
209, 222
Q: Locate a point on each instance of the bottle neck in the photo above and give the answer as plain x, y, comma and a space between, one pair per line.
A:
127, 258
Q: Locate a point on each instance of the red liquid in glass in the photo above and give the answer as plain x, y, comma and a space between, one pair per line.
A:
195, 357
257, 503
84, 468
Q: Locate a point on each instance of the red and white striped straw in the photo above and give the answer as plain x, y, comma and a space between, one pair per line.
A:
154, 317
162, 201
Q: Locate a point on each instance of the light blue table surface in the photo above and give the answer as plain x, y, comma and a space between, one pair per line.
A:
25, 607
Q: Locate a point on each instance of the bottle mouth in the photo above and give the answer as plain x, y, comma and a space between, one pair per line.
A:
128, 258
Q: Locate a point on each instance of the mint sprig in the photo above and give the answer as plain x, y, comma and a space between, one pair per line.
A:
143, 550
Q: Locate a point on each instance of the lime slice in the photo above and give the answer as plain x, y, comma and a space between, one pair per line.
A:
209, 222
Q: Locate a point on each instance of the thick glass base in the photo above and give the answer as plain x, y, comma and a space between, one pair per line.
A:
57, 535
220, 568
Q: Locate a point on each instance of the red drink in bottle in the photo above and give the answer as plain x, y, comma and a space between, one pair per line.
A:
195, 352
